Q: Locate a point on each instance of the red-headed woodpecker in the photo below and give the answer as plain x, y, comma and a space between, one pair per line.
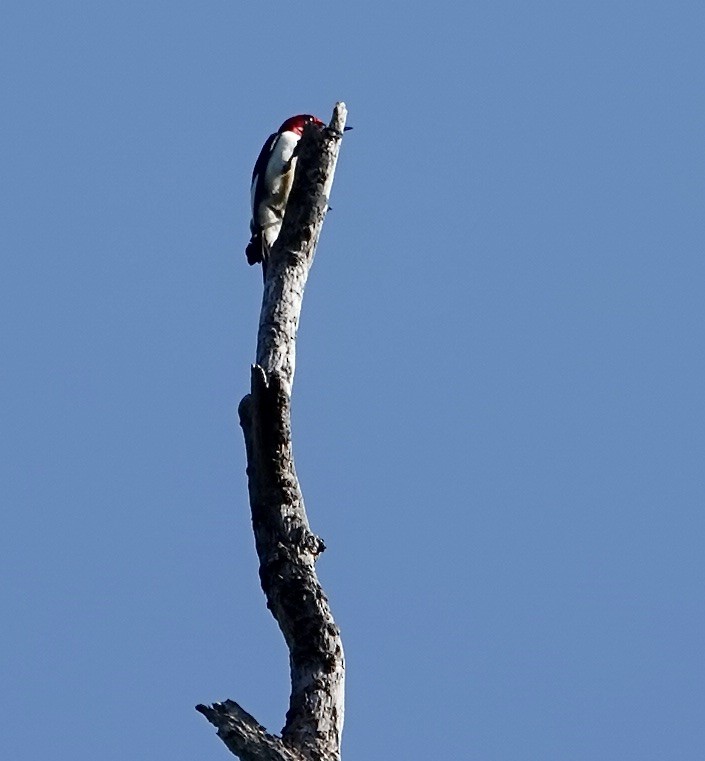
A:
272, 178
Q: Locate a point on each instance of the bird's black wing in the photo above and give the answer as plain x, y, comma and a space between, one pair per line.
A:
259, 174
254, 250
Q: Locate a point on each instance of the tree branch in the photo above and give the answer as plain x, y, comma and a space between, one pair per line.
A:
292, 254
286, 547
244, 736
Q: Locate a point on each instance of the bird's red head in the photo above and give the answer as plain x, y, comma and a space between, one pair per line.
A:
297, 123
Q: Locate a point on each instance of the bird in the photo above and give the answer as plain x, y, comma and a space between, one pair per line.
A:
272, 179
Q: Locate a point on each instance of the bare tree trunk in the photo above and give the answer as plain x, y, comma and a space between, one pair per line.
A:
286, 548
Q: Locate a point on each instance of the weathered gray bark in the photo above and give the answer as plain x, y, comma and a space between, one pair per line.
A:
286, 548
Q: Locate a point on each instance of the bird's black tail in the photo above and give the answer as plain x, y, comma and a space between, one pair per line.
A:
254, 250
257, 251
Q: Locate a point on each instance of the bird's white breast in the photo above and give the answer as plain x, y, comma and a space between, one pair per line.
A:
278, 178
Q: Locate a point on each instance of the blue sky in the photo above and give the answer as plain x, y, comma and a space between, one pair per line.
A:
498, 408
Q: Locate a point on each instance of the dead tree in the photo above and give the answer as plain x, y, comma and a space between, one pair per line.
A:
286, 547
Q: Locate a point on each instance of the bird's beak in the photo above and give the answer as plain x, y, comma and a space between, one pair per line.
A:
345, 129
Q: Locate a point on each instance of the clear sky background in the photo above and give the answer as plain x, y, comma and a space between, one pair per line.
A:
498, 408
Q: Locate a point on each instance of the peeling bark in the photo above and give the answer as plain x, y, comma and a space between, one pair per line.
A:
286, 547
